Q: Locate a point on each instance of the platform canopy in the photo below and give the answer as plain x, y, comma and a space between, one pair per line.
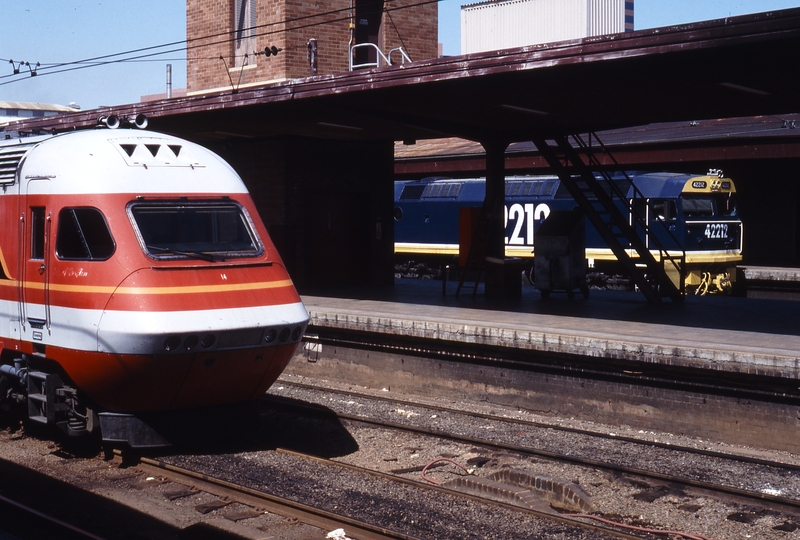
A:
740, 66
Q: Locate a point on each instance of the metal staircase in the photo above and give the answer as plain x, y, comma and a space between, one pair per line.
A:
614, 215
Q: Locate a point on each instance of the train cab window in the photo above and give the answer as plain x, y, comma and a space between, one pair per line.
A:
37, 232
206, 231
83, 235
697, 207
726, 205
664, 210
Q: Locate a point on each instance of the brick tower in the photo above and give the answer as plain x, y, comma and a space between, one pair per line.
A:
227, 38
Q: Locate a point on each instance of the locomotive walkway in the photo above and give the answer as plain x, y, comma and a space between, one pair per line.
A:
735, 335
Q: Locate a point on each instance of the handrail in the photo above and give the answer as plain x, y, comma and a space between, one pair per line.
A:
387, 59
664, 254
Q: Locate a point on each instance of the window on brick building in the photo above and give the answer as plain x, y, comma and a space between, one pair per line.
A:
244, 22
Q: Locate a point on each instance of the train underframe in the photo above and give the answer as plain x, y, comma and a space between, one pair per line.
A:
35, 391
699, 279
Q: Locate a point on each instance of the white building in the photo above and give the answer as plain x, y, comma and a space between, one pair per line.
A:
493, 25
17, 110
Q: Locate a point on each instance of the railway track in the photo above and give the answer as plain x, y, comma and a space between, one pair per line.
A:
662, 469
323, 519
634, 445
554, 524
261, 502
373, 494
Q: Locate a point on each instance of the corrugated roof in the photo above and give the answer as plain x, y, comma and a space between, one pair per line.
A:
31, 106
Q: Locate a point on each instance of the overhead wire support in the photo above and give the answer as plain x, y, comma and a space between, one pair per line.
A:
52, 69
16, 66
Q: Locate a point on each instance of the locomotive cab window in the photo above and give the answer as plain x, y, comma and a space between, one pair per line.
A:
726, 205
697, 207
206, 231
664, 210
83, 235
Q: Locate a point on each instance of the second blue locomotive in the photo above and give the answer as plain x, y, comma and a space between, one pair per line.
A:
692, 215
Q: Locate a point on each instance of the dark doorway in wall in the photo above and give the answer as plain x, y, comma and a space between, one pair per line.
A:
368, 17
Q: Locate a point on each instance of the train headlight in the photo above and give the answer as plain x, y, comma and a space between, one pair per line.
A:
270, 335
191, 342
284, 335
296, 333
207, 341
172, 343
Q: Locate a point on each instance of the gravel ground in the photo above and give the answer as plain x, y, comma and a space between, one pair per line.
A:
631, 500
254, 461
400, 507
717, 470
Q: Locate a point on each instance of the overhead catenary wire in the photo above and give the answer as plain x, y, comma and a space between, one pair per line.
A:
185, 45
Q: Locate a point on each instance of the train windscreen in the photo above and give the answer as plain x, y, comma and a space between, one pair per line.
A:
721, 205
208, 231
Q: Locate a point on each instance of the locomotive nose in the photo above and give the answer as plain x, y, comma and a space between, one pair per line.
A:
193, 343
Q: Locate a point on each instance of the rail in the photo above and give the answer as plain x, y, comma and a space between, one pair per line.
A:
379, 56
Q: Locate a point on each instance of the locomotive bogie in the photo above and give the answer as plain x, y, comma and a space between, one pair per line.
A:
135, 269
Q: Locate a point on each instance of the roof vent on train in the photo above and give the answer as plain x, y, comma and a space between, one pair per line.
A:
155, 152
9, 161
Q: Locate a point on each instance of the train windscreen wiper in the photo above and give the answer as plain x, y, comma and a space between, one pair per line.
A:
203, 256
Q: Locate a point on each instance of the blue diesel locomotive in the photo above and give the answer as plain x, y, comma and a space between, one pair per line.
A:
691, 215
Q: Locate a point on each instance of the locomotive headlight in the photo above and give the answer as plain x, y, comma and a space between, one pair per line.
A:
207, 341
284, 335
296, 333
172, 343
270, 335
191, 342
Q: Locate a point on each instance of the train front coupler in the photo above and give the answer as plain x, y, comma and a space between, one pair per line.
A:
49, 400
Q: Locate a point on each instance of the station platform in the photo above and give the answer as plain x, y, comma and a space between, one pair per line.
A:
717, 333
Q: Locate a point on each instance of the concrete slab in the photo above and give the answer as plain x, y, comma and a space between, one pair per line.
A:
738, 335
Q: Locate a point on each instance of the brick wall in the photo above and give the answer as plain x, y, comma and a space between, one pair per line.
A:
289, 24
415, 29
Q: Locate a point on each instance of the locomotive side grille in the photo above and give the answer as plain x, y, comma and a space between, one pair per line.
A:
530, 188
442, 190
9, 161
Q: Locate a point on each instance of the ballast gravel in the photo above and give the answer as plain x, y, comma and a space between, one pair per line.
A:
259, 461
628, 499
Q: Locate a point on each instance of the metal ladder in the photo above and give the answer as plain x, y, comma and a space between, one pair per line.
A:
599, 201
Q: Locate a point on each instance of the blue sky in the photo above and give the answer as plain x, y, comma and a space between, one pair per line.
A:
64, 31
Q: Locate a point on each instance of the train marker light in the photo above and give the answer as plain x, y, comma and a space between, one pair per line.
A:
207, 341
172, 343
284, 335
270, 335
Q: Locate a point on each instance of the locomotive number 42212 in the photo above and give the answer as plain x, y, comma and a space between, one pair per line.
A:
716, 230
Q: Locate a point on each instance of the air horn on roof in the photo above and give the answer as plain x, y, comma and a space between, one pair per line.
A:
112, 121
